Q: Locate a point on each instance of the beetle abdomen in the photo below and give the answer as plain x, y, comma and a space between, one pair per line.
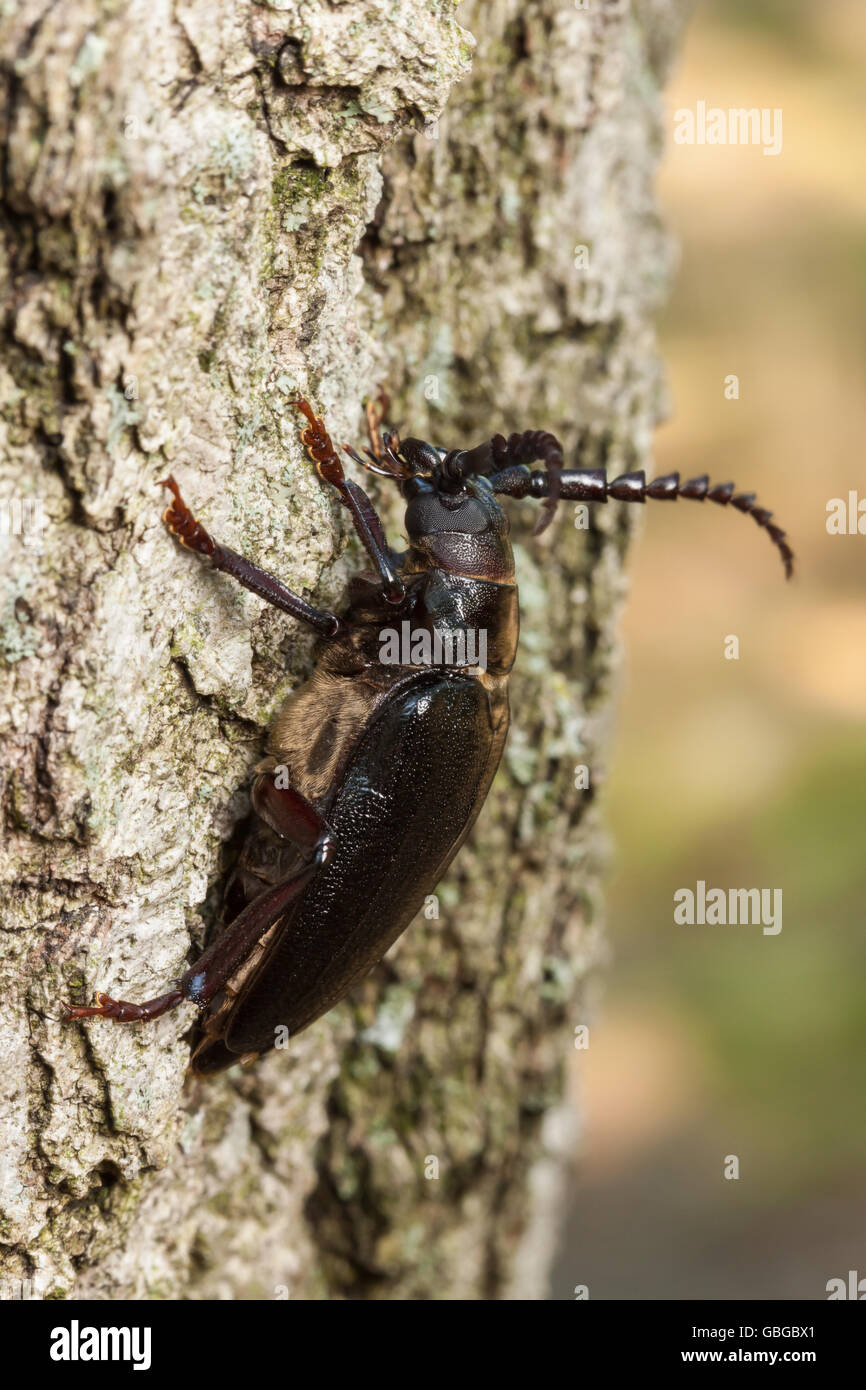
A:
410, 793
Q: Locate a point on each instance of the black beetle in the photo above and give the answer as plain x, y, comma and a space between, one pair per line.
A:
377, 769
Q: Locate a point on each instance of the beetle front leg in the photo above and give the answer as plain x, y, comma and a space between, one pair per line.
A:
320, 447
295, 819
191, 534
374, 414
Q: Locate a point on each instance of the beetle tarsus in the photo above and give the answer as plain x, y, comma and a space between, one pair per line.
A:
183, 525
120, 1011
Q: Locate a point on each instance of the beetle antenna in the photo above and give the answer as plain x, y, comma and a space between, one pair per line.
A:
591, 485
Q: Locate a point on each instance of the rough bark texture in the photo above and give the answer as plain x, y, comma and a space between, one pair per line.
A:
207, 205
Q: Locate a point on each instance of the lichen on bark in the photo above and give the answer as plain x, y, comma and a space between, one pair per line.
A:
206, 207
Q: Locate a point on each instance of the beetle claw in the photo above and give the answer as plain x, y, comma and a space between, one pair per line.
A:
101, 1009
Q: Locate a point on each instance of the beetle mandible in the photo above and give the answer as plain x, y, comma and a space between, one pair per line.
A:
375, 771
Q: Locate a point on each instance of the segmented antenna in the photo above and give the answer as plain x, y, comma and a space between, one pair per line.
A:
591, 485
633, 487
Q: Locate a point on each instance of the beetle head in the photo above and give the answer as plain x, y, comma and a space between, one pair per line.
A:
453, 519
460, 529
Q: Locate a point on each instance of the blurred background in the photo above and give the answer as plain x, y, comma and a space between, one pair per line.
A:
710, 1041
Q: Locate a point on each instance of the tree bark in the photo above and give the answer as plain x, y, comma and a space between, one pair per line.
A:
208, 205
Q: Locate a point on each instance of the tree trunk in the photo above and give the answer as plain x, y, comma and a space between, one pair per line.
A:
207, 206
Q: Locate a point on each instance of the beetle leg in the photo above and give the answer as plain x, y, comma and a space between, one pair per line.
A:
289, 813
184, 527
374, 412
121, 1011
212, 971
320, 447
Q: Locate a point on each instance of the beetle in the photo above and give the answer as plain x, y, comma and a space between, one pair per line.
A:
375, 769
